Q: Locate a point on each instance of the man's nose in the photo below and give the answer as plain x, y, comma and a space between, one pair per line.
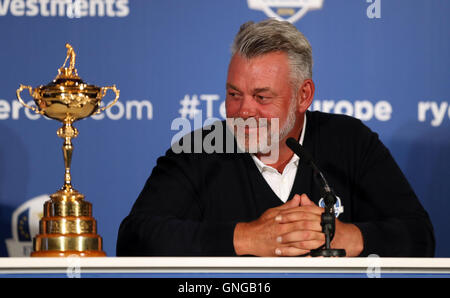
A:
247, 108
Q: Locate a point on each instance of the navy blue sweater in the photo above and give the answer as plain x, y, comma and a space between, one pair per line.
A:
191, 202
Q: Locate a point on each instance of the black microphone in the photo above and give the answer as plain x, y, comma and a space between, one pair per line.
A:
295, 146
319, 177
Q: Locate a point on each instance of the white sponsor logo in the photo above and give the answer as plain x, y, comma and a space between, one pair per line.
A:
437, 111
287, 10
25, 226
361, 109
130, 110
65, 8
191, 106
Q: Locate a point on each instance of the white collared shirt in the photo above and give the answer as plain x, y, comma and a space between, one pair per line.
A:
281, 184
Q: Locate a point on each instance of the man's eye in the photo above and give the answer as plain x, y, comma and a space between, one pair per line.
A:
233, 94
261, 98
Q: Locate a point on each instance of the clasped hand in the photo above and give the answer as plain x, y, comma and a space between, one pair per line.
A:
291, 229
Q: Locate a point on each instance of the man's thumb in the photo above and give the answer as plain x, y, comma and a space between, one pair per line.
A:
294, 202
305, 201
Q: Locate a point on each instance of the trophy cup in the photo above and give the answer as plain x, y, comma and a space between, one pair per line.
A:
67, 227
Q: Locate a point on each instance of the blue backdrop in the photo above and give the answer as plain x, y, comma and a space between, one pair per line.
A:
384, 61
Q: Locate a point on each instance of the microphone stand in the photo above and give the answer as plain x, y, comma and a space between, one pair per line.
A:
328, 219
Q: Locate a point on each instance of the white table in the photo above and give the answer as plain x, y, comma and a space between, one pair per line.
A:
224, 267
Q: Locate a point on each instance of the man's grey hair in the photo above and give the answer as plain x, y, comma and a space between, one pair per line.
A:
255, 39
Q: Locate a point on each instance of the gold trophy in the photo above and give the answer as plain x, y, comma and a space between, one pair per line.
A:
67, 227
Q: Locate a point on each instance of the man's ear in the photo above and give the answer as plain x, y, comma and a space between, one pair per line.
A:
305, 95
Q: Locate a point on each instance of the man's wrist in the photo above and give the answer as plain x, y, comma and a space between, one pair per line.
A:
240, 239
349, 237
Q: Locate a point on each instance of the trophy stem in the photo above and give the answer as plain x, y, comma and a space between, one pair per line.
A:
67, 152
67, 132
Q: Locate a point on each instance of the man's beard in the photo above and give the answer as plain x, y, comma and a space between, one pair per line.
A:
264, 135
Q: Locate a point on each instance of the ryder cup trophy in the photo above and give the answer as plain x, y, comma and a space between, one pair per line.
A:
67, 227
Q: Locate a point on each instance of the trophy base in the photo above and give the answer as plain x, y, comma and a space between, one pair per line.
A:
68, 253
67, 228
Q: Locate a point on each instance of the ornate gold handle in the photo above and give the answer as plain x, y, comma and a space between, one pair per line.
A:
30, 89
103, 91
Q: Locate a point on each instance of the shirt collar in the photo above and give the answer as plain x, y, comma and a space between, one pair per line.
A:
294, 160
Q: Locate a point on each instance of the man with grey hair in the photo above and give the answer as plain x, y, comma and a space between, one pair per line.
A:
243, 204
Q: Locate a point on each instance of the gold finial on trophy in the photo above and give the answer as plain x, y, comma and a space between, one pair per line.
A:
71, 71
